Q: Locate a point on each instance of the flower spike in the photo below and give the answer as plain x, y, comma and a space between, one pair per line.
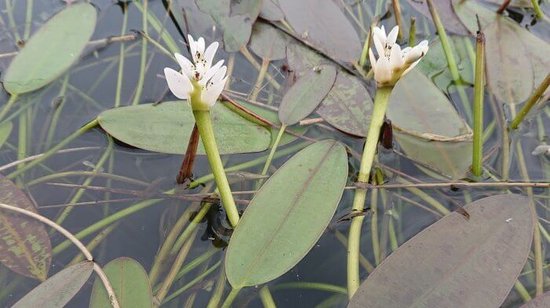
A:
198, 75
393, 62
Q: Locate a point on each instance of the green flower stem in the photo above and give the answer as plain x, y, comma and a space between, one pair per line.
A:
537, 9
250, 164
267, 299
323, 287
479, 87
448, 49
231, 297
13, 98
530, 102
273, 149
206, 131
56, 148
380, 105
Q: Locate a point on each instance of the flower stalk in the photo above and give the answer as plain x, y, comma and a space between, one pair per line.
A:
392, 64
479, 86
201, 83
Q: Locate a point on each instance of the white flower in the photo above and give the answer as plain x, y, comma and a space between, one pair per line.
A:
393, 62
198, 75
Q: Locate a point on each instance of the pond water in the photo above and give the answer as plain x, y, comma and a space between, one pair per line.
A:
96, 176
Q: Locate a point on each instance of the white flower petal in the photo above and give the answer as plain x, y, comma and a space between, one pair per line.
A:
200, 47
396, 59
192, 47
178, 83
392, 37
211, 72
219, 75
211, 94
417, 52
382, 71
186, 66
210, 52
379, 45
380, 34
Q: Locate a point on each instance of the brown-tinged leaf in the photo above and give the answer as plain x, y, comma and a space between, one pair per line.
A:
456, 262
25, 247
323, 25
348, 105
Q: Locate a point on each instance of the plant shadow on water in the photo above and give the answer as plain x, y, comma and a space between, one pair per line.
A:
84, 86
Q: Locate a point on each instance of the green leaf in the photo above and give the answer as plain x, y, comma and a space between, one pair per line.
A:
324, 26
166, 128
59, 289
517, 60
130, 283
428, 128
5, 131
25, 246
51, 50
236, 28
348, 105
456, 262
306, 94
273, 117
267, 42
434, 64
445, 12
287, 215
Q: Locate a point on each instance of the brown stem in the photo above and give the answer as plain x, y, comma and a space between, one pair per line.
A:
186, 170
503, 6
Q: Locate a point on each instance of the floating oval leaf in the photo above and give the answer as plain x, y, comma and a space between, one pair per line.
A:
325, 26
517, 60
287, 215
270, 115
65, 35
456, 262
130, 283
166, 128
268, 42
428, 128
306, 94
236, 28
348, 105
59, 289
25, 246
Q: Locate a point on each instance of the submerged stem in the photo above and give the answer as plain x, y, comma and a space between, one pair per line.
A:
477, 155
380, 105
